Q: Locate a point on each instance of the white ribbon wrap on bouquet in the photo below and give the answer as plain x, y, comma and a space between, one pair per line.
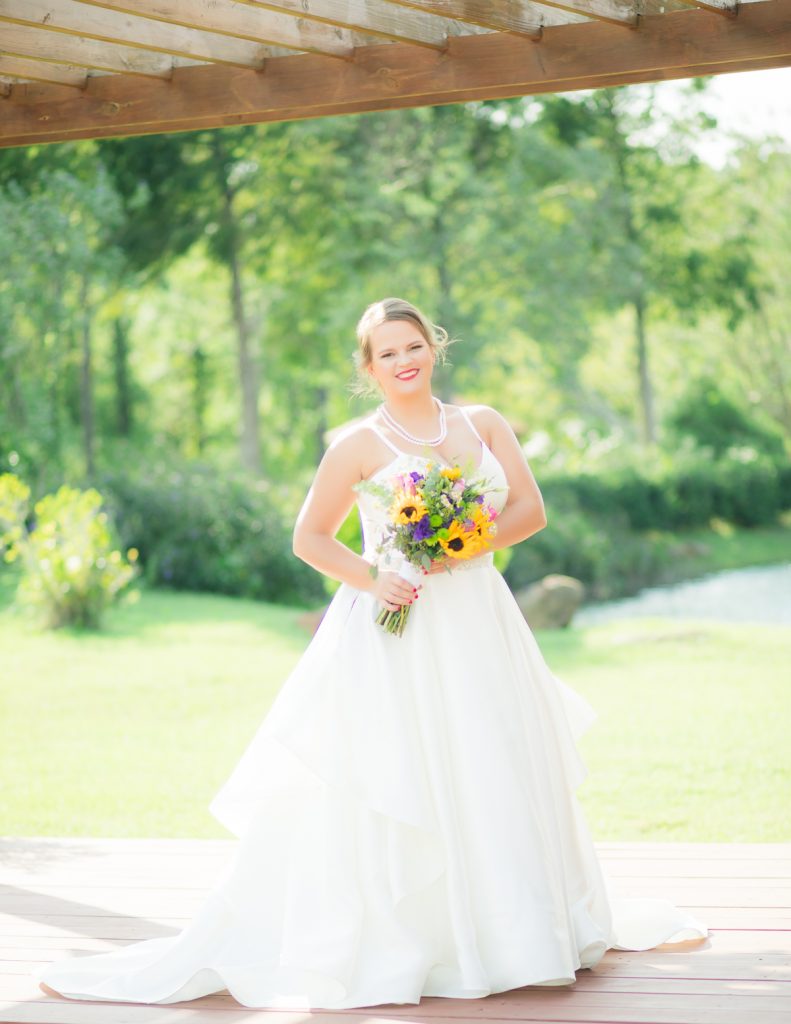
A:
394, 561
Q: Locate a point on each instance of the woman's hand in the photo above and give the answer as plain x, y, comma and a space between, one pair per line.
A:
439, 565
393, 590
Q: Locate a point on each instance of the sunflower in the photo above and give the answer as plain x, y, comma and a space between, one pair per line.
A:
460, 543
451, 474
407, 508
484, 527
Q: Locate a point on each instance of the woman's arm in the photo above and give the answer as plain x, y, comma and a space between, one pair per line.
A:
326, 506
523, 514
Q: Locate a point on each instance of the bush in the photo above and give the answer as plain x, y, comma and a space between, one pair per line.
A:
198, 528
603, 553
70, 570
743, 488
609, 529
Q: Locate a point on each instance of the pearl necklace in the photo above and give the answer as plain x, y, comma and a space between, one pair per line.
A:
443, 427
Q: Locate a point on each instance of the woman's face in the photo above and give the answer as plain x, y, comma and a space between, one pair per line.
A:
401, 359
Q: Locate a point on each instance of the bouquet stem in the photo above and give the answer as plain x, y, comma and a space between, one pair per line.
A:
394, 622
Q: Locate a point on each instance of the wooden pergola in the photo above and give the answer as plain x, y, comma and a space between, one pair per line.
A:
72, 69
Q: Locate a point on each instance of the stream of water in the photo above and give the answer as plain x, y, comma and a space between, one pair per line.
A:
757, 594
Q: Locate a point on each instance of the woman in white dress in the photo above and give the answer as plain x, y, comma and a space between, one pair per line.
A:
406, 811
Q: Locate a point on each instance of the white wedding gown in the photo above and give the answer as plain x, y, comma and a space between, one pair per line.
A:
407, 819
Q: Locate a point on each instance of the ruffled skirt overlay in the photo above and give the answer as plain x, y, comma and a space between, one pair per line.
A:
408, 826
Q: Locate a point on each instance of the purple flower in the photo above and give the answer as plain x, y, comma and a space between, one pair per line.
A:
416, 476
478, 498
423, 529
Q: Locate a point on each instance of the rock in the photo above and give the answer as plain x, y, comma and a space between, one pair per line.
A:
551, 602
689, 549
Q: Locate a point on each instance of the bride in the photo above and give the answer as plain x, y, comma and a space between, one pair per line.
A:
406, 812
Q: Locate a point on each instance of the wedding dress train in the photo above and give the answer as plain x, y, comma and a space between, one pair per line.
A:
407, 819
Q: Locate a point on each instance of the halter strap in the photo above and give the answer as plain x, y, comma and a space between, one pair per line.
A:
468, 418
381, 437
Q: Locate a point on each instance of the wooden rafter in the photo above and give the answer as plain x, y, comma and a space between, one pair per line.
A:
522, 17
42, 71
92, 68
45, 45
109, 26
251, 19
728, 8
501, 14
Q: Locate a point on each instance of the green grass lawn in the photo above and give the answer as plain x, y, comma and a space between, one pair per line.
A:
131, 732
691, 743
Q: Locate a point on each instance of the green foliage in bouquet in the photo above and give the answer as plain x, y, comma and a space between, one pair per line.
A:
71, 571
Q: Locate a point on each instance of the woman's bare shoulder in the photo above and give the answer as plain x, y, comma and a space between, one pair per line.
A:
486, 419
354, 436
476, 409
354, 444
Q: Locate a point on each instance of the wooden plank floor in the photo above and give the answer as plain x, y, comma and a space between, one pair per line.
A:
64, 895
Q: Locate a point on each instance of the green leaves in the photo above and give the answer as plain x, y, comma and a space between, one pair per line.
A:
71, 571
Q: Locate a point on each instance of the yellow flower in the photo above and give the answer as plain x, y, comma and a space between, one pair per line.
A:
132, 554
484, 527
451, 474
407, 508
460, 543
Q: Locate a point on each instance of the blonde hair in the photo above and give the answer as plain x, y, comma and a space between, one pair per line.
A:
382, 312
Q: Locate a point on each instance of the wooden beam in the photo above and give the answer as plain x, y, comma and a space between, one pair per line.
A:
381, 77
570, 85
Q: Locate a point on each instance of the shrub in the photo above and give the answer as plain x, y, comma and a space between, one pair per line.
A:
199, 528
70, 570
742, 488
609, 529
603, 553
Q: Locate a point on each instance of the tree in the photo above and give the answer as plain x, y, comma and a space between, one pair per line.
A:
659, 263
59, 268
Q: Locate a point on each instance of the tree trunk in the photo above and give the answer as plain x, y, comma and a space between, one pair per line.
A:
644, 373
250, 444
320, 398
198, 363
123, 395
16, 403
86, 386
445, 306
619, 148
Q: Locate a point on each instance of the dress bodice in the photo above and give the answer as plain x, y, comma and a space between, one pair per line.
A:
374, 516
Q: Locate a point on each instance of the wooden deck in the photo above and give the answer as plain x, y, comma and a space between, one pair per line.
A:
59, 895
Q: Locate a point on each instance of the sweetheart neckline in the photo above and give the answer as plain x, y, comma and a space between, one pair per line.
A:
413, 455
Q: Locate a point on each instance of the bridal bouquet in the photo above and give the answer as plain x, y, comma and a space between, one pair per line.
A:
431, 514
